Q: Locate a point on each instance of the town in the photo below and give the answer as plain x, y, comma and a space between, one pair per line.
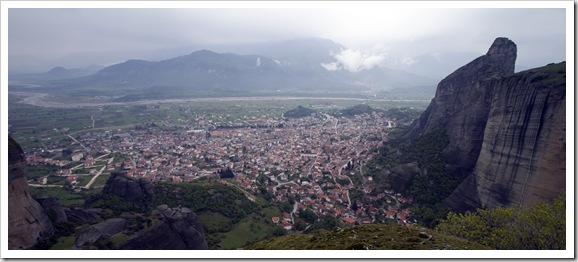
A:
314, 162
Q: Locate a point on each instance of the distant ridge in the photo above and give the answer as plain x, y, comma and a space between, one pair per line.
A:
291, 67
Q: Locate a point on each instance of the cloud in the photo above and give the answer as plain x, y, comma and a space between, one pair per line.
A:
50, 34
353, 61
408, 60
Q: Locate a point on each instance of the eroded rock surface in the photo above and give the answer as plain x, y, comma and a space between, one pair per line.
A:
506, 131
523, 157
28, 223
462, 103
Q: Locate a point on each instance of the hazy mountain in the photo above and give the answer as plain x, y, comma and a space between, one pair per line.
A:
55, 73
284, 67
436, 65
304, 55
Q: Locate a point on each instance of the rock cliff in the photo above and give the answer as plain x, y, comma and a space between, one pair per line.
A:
28, 223
523, 155
462, 103
506, 131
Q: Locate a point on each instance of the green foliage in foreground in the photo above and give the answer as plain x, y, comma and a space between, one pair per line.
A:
373, 237
542, 226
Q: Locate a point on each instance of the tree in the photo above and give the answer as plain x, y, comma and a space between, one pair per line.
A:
66, 152
354, 207
300, 225
279, 231
542, 226
308, 215
286, 207
291, 200
328, 222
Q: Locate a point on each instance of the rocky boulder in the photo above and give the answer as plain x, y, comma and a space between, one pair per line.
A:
82, 216
53, 209
138, 193
28, 223
87, 234
179, 229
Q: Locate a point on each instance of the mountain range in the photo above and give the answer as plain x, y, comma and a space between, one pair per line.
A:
291, 67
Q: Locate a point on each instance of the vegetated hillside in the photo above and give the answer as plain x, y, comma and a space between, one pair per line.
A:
229, 219
416, 169
299, 112
370, 237
541, 226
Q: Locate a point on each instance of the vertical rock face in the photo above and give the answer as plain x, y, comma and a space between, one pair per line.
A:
27, 221
462, 103
506, 131
523, 156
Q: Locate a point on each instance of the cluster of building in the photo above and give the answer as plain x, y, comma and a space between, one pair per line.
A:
310, 160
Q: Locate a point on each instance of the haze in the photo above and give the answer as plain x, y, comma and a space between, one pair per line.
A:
389, 34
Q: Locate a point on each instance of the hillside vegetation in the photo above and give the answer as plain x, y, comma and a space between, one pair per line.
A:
542, 226
368, 237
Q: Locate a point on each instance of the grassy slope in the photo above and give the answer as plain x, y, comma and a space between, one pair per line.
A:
380, 237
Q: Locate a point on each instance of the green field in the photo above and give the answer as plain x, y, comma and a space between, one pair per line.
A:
65, 198
249, 230
100, 181
213, 221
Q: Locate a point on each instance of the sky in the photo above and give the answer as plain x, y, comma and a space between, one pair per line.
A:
390, 34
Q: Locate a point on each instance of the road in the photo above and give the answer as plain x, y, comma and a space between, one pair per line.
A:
295, 206
77, 142
281, 184
37, 185
94, 177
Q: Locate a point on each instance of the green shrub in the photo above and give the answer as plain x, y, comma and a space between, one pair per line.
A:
542, 226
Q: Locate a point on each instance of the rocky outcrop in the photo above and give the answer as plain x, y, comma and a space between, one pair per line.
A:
506, 131
27, 220
53, 209
87, 234
523, 156
138, 192
82, 216
462, 103
179, 229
